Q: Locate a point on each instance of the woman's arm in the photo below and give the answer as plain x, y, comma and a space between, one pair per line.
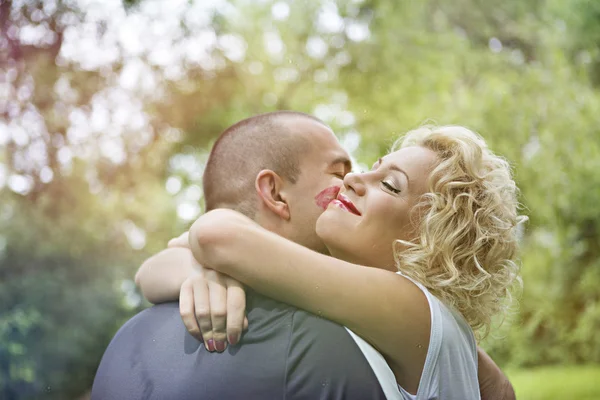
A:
385, 308
212, 304
493, 384
160, 276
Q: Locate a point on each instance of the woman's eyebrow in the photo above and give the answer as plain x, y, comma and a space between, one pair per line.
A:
394, 167
378, 162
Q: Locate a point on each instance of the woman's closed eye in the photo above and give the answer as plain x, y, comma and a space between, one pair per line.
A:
390, 187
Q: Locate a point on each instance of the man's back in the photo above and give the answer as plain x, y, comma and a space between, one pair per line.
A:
285, 354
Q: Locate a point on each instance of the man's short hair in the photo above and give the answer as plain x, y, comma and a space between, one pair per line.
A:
260, 142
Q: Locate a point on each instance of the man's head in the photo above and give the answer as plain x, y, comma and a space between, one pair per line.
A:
270, 167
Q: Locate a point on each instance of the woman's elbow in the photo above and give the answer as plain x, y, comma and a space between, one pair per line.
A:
136, 278
142, 283
139, 275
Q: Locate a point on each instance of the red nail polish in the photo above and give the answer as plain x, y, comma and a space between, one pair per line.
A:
233, 339
211, 345
220, 345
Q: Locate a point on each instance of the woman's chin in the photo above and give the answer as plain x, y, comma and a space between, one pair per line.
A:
332, 233
326, 225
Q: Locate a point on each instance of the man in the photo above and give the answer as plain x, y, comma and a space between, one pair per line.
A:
269, 167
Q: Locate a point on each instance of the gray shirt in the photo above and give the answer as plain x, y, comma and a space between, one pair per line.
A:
286, 353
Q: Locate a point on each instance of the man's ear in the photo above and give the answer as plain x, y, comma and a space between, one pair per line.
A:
268, 186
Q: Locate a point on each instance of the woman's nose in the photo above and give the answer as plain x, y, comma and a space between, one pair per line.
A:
355, 182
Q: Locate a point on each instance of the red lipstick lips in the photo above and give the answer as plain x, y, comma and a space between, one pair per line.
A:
345, 203
326, 196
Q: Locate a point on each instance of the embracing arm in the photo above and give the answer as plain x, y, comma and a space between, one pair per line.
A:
385, 308
493, 384
160, 276
175, 274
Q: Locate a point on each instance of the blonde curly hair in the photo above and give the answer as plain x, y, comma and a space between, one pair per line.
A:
466, 248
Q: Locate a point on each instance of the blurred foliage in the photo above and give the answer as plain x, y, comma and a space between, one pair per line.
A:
108, 110
554, 383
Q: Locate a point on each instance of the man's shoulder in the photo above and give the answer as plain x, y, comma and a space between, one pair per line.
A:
155, 311
158, 323
266, 311
156, 316
300, 324
322, 360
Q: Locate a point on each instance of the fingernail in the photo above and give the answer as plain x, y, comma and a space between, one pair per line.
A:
210, 345
220, 345
233, 339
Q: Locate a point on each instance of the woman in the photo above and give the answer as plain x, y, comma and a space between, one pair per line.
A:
435, 220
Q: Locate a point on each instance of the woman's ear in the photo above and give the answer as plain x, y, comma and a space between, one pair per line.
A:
268, 186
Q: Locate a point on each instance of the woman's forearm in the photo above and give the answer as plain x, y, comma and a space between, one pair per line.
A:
160, 276
379, 305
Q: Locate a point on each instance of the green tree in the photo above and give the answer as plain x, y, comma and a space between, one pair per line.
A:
109, 111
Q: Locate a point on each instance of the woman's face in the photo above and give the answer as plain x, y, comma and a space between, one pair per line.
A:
374, 208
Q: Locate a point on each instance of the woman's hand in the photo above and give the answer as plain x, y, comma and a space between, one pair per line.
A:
212, 306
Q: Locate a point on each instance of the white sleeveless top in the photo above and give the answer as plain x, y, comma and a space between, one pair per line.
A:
450, 371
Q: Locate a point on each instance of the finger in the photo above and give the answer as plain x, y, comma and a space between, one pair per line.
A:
187, 309
218, 311
236, 310
245, 323
180, 241
202, 308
